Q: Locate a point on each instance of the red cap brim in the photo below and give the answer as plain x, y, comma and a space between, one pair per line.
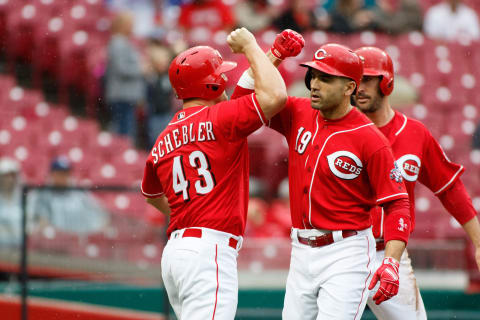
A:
227, 66
318, 65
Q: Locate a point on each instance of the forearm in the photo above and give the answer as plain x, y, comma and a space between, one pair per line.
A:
274, 60
472, 228
394, 249
269, 86
397, 220
458, 203
161, 204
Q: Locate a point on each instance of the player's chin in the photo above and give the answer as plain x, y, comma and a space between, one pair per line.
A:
364, 107
316, 105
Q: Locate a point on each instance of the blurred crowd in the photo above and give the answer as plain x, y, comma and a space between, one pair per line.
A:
145, 38
145, 35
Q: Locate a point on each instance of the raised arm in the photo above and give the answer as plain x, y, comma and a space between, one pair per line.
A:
270, 89
288, 43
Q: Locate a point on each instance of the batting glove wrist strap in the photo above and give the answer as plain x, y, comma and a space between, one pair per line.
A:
288, 43
389, 279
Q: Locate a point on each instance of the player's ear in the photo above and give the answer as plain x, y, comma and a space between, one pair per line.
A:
350, 88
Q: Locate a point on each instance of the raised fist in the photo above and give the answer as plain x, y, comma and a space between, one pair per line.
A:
387, 273
288, 43
240, 38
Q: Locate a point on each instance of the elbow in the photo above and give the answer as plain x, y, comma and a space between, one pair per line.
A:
279, 98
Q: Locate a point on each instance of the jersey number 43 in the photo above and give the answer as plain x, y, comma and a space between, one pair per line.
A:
204, 182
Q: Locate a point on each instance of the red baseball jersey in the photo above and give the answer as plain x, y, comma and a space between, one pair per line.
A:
339, 169
419, 157
200, 162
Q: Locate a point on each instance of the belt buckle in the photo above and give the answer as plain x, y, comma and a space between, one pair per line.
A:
312, 241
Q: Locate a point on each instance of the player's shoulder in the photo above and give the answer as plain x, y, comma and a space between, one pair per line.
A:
298, 102
370, 133
411, 126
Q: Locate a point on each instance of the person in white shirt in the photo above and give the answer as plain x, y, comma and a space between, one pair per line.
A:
451, 20
10, 202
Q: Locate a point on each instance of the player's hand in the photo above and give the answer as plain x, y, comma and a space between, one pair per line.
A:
288, 43
389, 280
239, 39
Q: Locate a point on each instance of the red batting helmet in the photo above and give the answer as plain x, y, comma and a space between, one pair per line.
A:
336, 60
198, 73
377, 62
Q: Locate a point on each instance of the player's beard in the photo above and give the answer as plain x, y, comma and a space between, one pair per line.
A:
373, 104
325, 101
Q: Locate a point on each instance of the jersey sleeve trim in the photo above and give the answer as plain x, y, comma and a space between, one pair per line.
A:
148, 195
171, 123
449, 182
246, 81
259, 111
403, 125
392, 196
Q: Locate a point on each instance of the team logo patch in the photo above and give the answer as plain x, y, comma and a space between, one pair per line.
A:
181, 115
395, 174
320, 54
402, 226
409, 166
345, 165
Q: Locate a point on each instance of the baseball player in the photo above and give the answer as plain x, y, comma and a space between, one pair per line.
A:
340, 166
419, 157
197, 173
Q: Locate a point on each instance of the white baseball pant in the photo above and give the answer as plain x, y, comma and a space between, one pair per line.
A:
329, 282
200, 275
408, 303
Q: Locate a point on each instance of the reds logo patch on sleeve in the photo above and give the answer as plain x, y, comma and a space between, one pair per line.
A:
402, 226
395, 174
345, 165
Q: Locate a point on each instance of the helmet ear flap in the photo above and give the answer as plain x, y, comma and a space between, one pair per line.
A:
308, 78
386, 85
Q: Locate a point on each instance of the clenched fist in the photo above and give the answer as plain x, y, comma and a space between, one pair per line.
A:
239, 39
288, 43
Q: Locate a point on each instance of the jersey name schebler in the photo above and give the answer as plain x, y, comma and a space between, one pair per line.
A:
185, 134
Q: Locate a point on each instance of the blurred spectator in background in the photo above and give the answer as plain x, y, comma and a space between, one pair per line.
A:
279, 211
451, 20
259, 224
329, 5
211, 14
159, 91
124, 82
64, 209
349, 16
476, 138
299, 16
10, 202
396, 16
255, 15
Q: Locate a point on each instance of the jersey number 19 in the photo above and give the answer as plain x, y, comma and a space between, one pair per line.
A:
203, 184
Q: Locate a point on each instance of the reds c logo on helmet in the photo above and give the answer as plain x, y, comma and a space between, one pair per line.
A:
336, 60
377, 62
198, 73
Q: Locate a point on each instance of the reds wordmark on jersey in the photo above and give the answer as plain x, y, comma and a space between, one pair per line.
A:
200, 162
419, 157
